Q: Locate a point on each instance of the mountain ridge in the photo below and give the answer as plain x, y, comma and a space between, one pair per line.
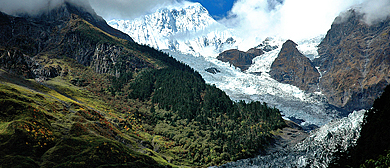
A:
77, 96
354, 61
174, 28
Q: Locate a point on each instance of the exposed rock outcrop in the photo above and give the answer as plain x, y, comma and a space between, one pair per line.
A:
16, 62
240, 59
29, 44
212, 70
355, 61
108, 57
64, 12
292, 67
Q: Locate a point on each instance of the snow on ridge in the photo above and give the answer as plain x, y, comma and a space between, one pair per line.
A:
187, 28
309, 47
192, 36
292, 101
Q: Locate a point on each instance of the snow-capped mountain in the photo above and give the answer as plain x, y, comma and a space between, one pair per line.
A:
187, 28
189, 34
307, 109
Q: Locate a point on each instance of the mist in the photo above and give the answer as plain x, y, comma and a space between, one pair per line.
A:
34, 7
127, 9
114, 9
254, 20
375, 10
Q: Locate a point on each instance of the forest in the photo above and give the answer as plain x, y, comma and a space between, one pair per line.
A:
146, 110
210, 128
372, 148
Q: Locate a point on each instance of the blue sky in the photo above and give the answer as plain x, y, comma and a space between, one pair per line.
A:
217, 8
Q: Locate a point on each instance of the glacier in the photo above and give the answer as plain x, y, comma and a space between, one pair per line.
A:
189, 34
317, 150
256, 85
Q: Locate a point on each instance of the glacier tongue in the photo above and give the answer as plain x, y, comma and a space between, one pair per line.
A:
192, 36
189, 34
317, 150
310, 109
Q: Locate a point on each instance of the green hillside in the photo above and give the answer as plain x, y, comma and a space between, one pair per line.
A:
372, 148
101, 101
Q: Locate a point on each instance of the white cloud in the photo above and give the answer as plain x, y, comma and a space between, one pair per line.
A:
124, 9
254, 20
33, 7
26, 6
293, 19
376, 10
127, 9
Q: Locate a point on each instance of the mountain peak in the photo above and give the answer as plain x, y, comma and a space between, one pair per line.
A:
292, 67
185, 6
186, 27
290, 43
63, 12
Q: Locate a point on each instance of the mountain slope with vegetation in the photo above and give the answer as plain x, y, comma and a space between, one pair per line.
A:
73, 95
354, 61
373, 147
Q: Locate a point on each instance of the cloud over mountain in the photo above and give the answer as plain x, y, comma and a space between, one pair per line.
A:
375, 10
296, 19
124, 9
127, 9
253, 20
32, 7
293, 19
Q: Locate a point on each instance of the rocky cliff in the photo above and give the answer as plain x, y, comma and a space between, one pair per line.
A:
292, 67
240, 59
355, 61
30, 45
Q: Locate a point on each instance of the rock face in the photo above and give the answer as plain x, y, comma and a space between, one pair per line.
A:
63, 13
355, 61
294, 68
240, 59
29, 44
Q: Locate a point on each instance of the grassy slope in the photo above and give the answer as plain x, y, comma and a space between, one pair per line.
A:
39, 121
38, 124
56, 123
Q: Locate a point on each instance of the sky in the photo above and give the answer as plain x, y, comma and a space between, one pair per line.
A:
218, 9
254, 20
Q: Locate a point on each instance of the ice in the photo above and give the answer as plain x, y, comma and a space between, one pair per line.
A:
192, 36
317, 150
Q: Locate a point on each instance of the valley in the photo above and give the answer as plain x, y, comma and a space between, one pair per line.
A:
177, 88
